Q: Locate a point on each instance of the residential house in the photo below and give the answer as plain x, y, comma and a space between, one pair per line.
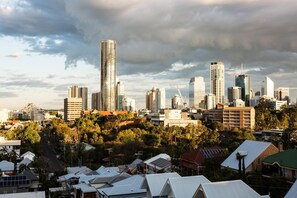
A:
283, 163
6, 167
129, 187
158, 164
226, 189
180, 187
250, 155
8, 146
154, 183
36, 194
195, 159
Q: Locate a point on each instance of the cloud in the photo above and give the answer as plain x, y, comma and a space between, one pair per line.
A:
26, 83
178, 66
5, 94
15, 55
157, 37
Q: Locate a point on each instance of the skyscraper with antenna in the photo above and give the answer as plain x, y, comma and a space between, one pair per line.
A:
244, 81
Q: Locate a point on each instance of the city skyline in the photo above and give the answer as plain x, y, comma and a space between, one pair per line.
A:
42, 39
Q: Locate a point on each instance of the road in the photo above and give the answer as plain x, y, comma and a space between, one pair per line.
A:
49, 156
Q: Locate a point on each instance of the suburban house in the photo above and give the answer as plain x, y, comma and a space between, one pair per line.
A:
226, 189
180, 187
249, 155
195, 159
158, 164
283, 163
129, 187
8, 146
154, 183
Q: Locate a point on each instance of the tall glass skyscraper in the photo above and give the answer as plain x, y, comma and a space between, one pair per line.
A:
108, 75
217, 81
244, 82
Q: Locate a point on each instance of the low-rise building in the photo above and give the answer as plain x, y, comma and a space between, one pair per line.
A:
283, 163
8, 146
250, 155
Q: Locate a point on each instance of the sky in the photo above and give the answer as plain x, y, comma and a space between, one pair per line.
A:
47, 46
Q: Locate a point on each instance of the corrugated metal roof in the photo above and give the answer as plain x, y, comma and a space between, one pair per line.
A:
253, 149
292, 193
287, 159
156, 182
227, 189
183, 186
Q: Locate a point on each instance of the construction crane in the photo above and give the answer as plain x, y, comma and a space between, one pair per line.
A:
181, 97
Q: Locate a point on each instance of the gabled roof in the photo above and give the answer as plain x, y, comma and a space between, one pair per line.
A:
197, 157
28, 155
156, 182
253, 149
131, 185
181, 187
159, 162
6, 166
227, 189
286, 159
292, 193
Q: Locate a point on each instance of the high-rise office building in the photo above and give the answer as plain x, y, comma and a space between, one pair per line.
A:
282, 93
234, 93
128, 104
268, 87
196, 92
120, 94
176, 102
210, 101
83, 93
72, 108
108, 75
73, 92
217, 81
244, 81
79, 92
96, 100
155, 99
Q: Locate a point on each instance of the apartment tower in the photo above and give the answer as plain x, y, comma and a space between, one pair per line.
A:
217, 81
108, 75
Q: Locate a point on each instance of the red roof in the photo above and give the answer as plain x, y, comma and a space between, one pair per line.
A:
197, 157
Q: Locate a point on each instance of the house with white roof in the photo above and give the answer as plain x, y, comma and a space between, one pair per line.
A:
154, 183
157, 164
180, 187
6, 167
292, 193
130, 187
36, 194
8, 146
28, 155
251, 153
226, 189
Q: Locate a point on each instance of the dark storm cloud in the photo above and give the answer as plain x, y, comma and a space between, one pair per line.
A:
153, 35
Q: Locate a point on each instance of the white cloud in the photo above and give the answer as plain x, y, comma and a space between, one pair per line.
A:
178, 66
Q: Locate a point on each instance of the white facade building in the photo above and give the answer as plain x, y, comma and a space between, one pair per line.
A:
268, 88
217, 81
196, 92
210, 101
128, 104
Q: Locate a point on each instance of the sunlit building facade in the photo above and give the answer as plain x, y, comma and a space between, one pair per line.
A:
217, 81
108, 75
